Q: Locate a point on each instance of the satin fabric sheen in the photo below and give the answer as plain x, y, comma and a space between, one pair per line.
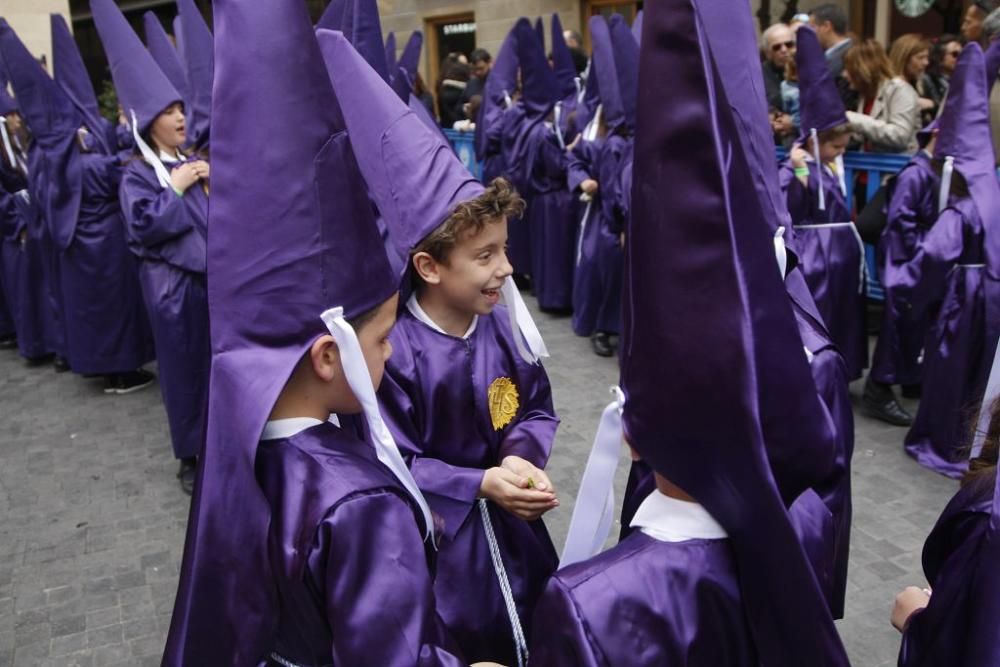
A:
167, 233
956, 357
434, 399
911, 212
830, 259
954, 563
642, 603
347, 556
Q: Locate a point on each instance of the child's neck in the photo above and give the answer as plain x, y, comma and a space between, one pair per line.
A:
453, 321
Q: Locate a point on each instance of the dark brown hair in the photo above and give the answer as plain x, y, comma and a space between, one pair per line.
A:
984, 466
868, 67
835, 132
498, 201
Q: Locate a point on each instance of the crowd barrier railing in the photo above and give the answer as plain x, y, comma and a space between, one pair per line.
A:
876, 165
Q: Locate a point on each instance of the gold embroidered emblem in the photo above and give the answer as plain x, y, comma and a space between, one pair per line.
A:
503, 400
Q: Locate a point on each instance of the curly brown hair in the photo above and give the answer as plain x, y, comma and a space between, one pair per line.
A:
498, 202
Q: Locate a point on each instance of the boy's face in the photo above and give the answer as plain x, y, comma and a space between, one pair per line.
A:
475, 270
831, 150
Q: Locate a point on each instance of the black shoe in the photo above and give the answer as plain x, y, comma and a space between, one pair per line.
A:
912, 390
8, 342
60, 364
522, 281
601, 344
34, 362
126, 383
879, 402
186, 474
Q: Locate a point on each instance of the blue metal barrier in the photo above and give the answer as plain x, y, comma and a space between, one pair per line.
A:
464, 144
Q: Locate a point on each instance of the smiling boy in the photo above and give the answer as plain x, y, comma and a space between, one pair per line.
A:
464, 395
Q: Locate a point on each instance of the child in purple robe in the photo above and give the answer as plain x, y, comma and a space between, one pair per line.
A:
164, 199
943, 624
956, 265
464, 394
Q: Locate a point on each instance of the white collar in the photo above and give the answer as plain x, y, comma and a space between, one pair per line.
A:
280, 429
167, 158
671, 520
414, 307
838, 45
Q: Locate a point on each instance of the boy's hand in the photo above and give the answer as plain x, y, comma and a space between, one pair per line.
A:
537, 479
798, 156
589, 186
909, 600
513, 492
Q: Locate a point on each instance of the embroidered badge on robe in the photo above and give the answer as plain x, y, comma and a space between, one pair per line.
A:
503, 400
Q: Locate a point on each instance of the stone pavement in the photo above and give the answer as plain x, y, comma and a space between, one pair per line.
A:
92, 519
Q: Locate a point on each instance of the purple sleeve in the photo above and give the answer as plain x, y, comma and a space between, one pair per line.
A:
378, 590
531, 436
903, 218
559, 633
153, 217
579, 165
921, 281
797, 195
451, 491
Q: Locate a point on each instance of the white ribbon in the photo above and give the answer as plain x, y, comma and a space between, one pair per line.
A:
360, 382
590, 132
814, 135
508, 103
863, 268
7, 146
579, 88
946, 172
520, 643
522, 324
162, 175
990, 395
595, 501
583, 227
780, 252
556, 112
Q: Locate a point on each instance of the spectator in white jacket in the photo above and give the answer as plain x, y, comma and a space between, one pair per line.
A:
888, 113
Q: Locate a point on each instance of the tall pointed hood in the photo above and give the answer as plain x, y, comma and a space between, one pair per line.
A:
406, 67
166, 56
539, 88
964, 134
637, 28
626, 51
333, 16
141, 85
500, 85
540, 32
294, 236
390, 53
676, 345
562, 60
820, 104
71, 76
606, 74
412, 173
361, 25
199, 67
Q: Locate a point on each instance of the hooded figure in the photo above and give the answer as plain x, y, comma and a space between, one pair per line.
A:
537, 165
501, 85
830, 251
567, 82
436, 390
957, 265
167, 56
166, 228
305, 539
198, 56
52, 170
723, 579
598, 159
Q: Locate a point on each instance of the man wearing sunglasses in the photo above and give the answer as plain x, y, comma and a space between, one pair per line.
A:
778, 46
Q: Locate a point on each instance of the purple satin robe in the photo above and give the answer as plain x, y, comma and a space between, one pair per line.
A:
99, 280
948, 268
167, 233
940, 633
434, 397
645, 602
597, 284
551, 220
911, 211
347, 557
511, 129
830, 259
53, 320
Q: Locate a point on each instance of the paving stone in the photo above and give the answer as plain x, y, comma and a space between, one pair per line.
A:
92, 519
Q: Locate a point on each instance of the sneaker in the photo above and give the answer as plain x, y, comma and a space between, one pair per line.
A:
879, 402
126, 383
186, 474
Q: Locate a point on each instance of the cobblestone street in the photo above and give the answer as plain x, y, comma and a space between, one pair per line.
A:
92, 518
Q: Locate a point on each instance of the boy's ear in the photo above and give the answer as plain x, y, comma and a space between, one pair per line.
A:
427, 268
324, 357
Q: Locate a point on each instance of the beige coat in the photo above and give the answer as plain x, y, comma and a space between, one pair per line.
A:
894, 120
